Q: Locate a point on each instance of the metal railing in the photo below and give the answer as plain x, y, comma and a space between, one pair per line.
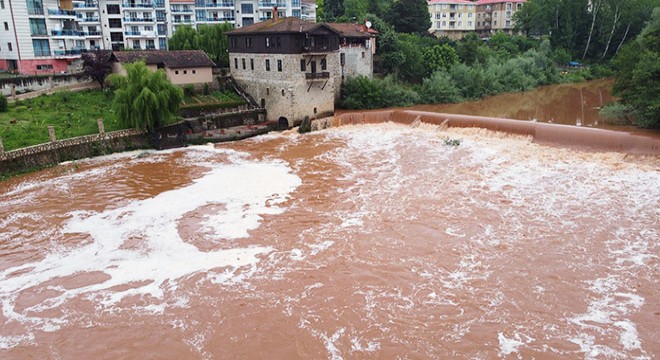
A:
61, 12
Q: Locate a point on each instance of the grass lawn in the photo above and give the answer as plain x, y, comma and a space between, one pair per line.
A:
71, 113
75, 113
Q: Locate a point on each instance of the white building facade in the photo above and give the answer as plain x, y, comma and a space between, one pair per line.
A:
47, 36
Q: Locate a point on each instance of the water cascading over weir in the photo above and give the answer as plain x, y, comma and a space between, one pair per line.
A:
542, 133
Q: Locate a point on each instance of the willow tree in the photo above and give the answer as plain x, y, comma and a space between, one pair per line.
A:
144, 99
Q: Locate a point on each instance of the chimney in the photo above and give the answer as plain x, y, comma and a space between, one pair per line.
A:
274, 13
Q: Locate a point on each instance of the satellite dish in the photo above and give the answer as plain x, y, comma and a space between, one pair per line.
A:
368, 24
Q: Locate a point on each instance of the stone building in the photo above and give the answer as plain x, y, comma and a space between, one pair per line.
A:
182, 67
295, 68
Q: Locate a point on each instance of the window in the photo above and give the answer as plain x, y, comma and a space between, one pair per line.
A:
279, 65
45, 67
41, 47
116, 36
277, 41
470, 23
185, 72
2, 4
176, 72
9, 46
114, 23
303, 64
35, 7
6, 25
248, 42
267, 42
162, 43
470, 15
342, 59
324, 64
194, 71
113, 9
235, 63
247, 9
282, 92
243, 63
38, 27
136, 44
248, 21
267, 91
267, 65
251, 64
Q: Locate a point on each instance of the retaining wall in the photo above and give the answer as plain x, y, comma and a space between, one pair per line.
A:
12, 85
72, 149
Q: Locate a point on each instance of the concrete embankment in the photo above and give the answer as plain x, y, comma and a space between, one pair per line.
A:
543, 133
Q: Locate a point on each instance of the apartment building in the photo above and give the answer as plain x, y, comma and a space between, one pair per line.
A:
455, 18
452, 18
308, 10
295, 68
46, 36
496, 15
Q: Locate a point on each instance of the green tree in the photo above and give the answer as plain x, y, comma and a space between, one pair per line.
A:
330, 10
409, 16
637, 72
209, 38
144, 99
355, 10
439, 57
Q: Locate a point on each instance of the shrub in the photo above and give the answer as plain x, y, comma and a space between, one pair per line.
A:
3, 103
206, 88
439, 88
188, 90
364, 93
618, 114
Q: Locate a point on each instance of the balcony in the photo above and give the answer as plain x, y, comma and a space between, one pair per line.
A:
281, 4
61, 14
39, 33
66, 33
220, 4
182, 21
182, 10
317, 75
68, 53
88, 19
139, 5
160, 18
93, 34
266, 4
219, 19
86, 5
138, 20
141, 34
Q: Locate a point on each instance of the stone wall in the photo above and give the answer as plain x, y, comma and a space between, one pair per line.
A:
287, 93
72, 149
13, 85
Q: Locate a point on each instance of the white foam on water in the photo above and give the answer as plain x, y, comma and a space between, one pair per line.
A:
161, 257
509, 346
368, 346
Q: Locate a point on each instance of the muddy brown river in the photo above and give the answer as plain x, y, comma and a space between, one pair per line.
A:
375, 241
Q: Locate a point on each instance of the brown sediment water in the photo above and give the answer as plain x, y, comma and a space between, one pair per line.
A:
375, 240
552, 134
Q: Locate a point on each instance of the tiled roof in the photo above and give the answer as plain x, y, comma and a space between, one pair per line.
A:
452, 2
281, 25
352, 30
488, 2
293, 24
171, 59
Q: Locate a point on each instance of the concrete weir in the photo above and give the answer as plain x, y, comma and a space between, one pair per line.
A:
542, 133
